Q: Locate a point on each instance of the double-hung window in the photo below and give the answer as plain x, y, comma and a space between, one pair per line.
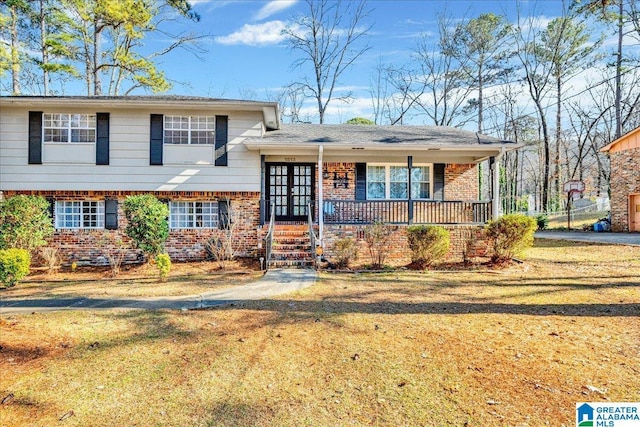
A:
193, 215
392, 182
79, 214
189, 129
77, 128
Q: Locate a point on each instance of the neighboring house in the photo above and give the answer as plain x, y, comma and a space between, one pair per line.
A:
624, 153
213, 159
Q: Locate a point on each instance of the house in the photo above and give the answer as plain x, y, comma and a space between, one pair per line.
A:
624, 153
208, 158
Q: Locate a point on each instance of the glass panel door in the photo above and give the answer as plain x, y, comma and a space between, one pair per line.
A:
290, 188
301, 190
278, 190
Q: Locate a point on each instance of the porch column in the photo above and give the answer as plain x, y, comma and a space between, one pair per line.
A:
495, 208
409, 201
320, 197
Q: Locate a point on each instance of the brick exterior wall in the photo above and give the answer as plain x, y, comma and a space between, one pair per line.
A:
87, 247
461, 182
625, 180
469, 238
340, 193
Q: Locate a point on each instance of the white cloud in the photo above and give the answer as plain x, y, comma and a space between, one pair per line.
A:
268, 33
273, 7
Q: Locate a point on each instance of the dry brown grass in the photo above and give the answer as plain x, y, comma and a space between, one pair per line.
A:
138, 281
512, 347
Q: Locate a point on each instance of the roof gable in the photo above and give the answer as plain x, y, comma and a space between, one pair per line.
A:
627, 141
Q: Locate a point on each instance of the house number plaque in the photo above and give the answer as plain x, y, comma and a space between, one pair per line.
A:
289, 159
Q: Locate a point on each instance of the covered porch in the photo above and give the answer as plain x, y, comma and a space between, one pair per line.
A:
353, 174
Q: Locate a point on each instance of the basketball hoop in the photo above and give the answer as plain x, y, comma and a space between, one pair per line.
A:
574, 190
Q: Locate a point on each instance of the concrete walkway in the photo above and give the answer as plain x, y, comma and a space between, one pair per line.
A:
592, 237
274, 282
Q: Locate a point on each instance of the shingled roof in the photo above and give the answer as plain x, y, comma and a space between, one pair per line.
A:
344, 134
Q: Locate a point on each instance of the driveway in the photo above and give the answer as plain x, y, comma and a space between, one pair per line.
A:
274, 282
592, 237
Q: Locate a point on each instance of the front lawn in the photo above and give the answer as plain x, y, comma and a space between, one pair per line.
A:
509, 347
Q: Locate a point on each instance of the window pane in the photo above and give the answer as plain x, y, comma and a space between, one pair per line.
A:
375, 190
56, 135
398, 182
376, 182
69, 127
79, 215
420, 182
398, 190
193, 214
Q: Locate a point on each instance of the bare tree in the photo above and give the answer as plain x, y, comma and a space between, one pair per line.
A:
328, 46
537, 70
443, 92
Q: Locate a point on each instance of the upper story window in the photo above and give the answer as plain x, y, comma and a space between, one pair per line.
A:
80, 128
79, 214
193, 214
392, 182
189, 129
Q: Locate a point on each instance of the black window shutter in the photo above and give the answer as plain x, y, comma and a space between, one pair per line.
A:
361, 181
52, 209
438, 181
111, 214
35, 137
222, 136
223, 214
156, 133
102, 138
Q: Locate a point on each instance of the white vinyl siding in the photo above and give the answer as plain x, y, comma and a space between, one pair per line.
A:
57, 128
193, 215
392, 182
189, 129
79, 214
186, 168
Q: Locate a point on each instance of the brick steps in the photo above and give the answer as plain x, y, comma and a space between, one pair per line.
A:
291, 247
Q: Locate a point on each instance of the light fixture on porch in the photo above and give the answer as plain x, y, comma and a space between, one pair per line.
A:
325, 174
340, 181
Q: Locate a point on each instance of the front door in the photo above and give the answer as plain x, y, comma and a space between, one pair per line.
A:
290, 188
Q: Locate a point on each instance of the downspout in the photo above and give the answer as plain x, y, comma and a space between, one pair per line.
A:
495, 214
320, 197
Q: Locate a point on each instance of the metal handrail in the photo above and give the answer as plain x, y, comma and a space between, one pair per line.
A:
268, 238
313, 238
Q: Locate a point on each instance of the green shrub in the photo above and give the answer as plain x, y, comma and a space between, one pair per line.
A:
14, 266
25, 222
163, 262
511, 234
542, 222
346, 250
147, 224
428, 243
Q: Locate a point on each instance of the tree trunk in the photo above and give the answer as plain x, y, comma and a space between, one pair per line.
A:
15, 52
480, 99
97, 84
557, 187
619, 72
45, 52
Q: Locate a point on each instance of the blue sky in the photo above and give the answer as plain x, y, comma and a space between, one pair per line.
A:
246, 57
